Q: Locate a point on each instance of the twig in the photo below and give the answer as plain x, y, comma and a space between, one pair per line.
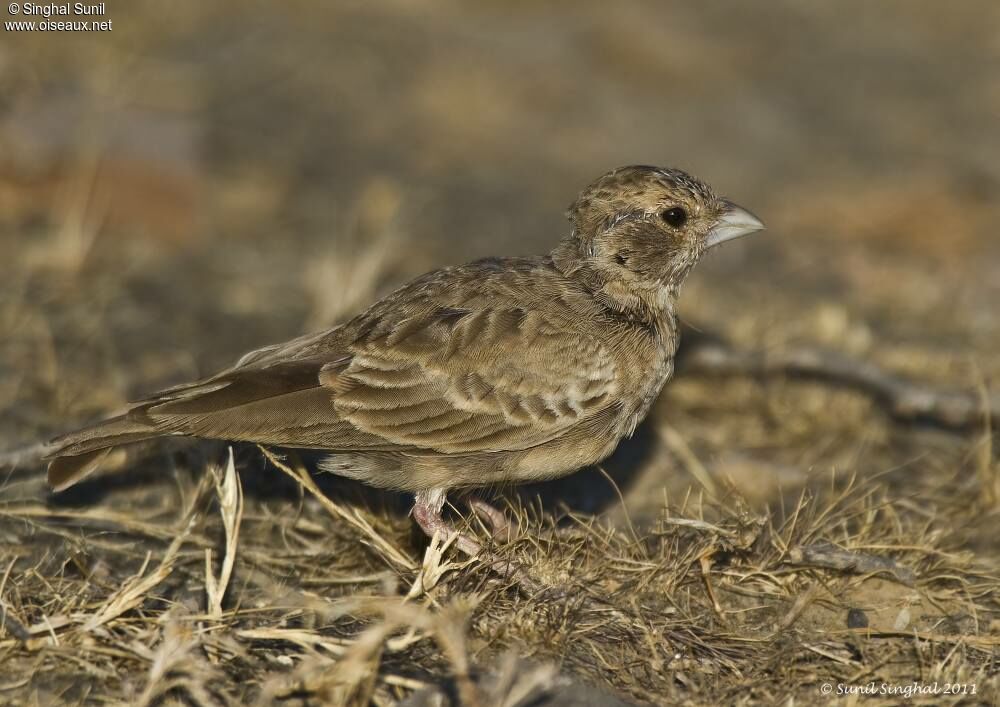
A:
901, 398
801, 603
705, 561
830, 556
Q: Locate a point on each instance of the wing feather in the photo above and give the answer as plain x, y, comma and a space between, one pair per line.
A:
497, 355
457, 380
436, 369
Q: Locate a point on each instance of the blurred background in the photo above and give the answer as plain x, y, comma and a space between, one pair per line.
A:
211, 177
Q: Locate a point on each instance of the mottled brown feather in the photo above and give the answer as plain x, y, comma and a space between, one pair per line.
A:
501, 369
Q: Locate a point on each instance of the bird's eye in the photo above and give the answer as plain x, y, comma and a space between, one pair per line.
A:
674, 216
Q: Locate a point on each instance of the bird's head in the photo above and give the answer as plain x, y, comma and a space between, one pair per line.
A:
645, 227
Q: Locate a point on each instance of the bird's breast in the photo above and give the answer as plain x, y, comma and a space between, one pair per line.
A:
655, 365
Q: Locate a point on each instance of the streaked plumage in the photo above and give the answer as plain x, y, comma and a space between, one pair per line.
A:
504, 369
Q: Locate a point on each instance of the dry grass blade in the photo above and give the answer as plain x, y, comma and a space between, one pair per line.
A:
699, 525
676, 443
305, 639
352, 517
177, 666
101, 516
230, 493
135, 589
350, 679
434, 568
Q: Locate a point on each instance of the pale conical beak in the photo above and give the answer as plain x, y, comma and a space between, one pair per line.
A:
734, 222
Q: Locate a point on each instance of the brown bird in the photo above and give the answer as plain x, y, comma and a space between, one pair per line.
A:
501, 370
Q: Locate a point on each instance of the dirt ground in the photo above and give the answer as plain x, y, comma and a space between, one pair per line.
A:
793, 518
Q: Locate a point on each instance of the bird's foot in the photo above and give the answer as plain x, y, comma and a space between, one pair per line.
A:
427, 512
494, 519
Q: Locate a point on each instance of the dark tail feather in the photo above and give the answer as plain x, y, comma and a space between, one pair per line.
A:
77, 454
66, 471
242, 405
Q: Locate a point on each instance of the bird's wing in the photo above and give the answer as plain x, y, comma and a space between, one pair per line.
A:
470, 379
280, 403
449, 380
493, 356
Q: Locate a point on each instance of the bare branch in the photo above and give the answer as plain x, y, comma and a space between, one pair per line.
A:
829, 556
901, 398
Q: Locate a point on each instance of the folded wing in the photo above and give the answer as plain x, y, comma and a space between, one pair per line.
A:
459, 380
436, 375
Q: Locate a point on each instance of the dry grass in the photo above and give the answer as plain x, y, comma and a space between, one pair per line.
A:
761, 537
711, 604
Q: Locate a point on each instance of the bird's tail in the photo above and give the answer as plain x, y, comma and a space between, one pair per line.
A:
77, 454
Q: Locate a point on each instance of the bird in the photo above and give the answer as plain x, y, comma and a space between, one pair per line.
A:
502, 370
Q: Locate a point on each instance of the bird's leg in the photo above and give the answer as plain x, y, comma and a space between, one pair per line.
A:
427, 512
494, 518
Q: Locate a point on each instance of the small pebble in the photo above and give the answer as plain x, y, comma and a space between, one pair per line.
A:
857, 618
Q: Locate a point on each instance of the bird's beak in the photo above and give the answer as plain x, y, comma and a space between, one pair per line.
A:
734, 222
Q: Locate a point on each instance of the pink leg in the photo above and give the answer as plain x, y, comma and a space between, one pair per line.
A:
494, 518
427, 512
